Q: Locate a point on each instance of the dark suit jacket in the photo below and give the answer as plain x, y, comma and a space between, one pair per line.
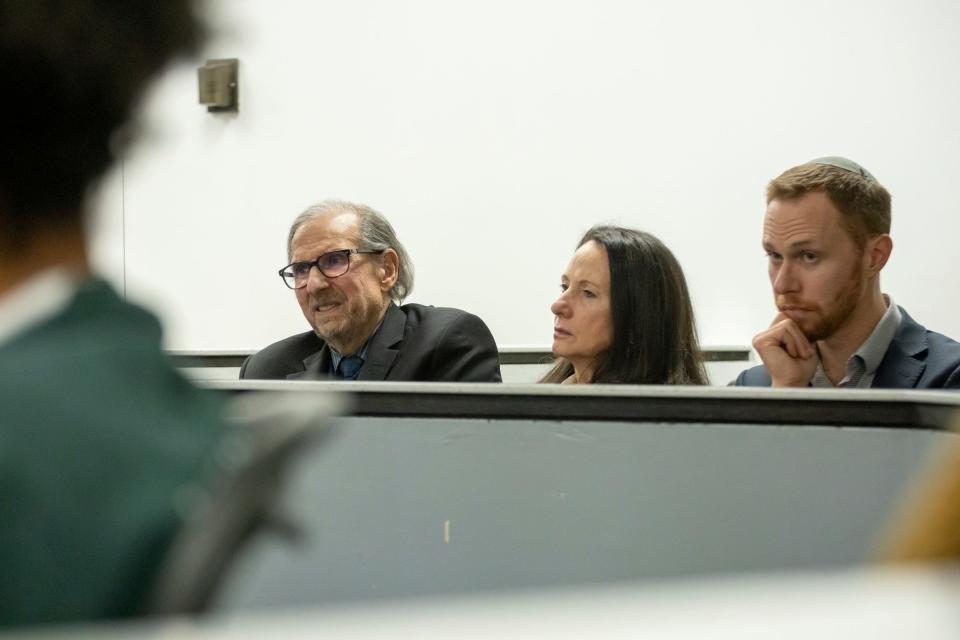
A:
415, 343
98, 434
916, 359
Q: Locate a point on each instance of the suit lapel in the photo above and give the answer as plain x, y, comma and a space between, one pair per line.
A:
316, 366
384, 347
903, 364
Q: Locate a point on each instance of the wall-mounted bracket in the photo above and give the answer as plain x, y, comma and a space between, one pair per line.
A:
218, 85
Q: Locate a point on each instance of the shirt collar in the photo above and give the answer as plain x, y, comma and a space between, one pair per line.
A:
336, 356
38, 298
863, 363
874, 347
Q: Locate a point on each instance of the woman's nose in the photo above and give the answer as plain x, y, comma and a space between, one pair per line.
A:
560, 307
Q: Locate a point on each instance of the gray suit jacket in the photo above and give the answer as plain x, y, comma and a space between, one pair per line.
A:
415, 343
916, 359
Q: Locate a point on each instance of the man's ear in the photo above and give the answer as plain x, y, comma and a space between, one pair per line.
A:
877, 252
389, 269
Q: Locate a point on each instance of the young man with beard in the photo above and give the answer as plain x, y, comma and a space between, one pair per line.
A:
827, 237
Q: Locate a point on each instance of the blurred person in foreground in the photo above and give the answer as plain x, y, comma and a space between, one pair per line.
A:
98, 433
624, 314
925, 529
826, 233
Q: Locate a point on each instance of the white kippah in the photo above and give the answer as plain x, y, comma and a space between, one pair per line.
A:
845, 164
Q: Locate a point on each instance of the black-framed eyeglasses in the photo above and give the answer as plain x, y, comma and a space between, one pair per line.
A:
332, 265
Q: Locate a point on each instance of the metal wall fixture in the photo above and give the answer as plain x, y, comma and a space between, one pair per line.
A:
218, 85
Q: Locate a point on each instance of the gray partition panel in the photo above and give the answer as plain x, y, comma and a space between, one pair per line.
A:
858, 407
397, 507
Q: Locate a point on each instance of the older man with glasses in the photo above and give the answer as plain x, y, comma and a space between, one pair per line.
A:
350, 273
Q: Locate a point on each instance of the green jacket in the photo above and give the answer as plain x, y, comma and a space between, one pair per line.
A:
98, 436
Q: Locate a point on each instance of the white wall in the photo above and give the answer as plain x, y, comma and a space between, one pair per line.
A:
494, 133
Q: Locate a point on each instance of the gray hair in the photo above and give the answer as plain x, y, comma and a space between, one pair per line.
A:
376, 234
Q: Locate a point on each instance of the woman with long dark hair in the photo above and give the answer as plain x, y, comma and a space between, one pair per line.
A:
624, 314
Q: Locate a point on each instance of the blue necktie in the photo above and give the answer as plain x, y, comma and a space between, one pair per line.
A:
349, 367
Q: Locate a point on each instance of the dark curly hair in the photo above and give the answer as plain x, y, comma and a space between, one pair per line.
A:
72, 72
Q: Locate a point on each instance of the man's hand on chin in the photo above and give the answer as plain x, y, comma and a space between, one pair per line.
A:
790, 359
